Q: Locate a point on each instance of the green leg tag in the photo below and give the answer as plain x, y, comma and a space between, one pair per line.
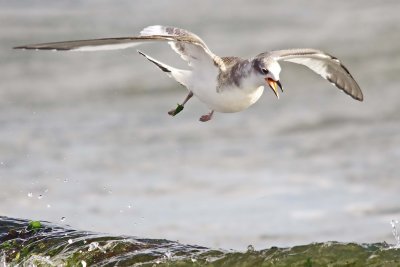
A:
178, 109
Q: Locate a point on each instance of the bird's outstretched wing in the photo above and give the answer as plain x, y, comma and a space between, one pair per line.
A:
327, 66
188, 45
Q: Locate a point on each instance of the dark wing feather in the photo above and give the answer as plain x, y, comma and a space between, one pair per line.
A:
188, 45
94, 44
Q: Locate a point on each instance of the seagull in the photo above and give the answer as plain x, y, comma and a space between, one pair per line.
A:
224, 84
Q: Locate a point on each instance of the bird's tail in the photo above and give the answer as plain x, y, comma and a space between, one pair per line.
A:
181, 76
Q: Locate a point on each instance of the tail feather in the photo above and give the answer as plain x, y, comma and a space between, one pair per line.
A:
162, 66
180, 76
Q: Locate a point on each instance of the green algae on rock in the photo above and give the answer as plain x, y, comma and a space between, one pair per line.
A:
52, 245
34, 225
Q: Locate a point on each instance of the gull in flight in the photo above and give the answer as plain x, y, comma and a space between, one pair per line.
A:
224, 84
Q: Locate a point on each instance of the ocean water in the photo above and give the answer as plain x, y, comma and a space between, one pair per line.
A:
85, 139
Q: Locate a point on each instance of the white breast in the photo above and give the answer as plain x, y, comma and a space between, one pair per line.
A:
203, 83
228, 98
231, 99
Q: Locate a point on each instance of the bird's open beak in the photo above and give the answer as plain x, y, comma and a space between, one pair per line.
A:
274, 86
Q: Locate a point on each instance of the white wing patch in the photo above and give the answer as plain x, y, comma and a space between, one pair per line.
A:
188, 45
153, 30
317, 66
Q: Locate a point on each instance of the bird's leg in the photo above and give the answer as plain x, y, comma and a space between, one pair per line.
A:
179, 108
207, 117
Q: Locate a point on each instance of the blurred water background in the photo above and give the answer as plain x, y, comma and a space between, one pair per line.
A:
85, 139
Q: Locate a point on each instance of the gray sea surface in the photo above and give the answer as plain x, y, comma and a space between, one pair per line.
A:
85, 139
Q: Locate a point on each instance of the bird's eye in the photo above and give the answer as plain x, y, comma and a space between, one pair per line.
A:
264, 71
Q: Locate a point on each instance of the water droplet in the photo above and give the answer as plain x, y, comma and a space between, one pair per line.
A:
129, 206
40, 196
30, 194
395, 233
65, 180
83, 263
121, 211
93, 246
69, 241
250, 248
109, 191
63, 219
3, 261
48, 206
1, 163
168, 254
46, 190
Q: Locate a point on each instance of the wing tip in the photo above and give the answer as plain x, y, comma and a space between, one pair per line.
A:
36, 48
354, 90
357, 95
360, 98
23, 47
140, 52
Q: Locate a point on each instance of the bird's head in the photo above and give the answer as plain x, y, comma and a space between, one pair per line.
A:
269, 71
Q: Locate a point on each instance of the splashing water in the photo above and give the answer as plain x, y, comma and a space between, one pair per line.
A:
96, 245
20, 246
93, 246
168, 255
395, 233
